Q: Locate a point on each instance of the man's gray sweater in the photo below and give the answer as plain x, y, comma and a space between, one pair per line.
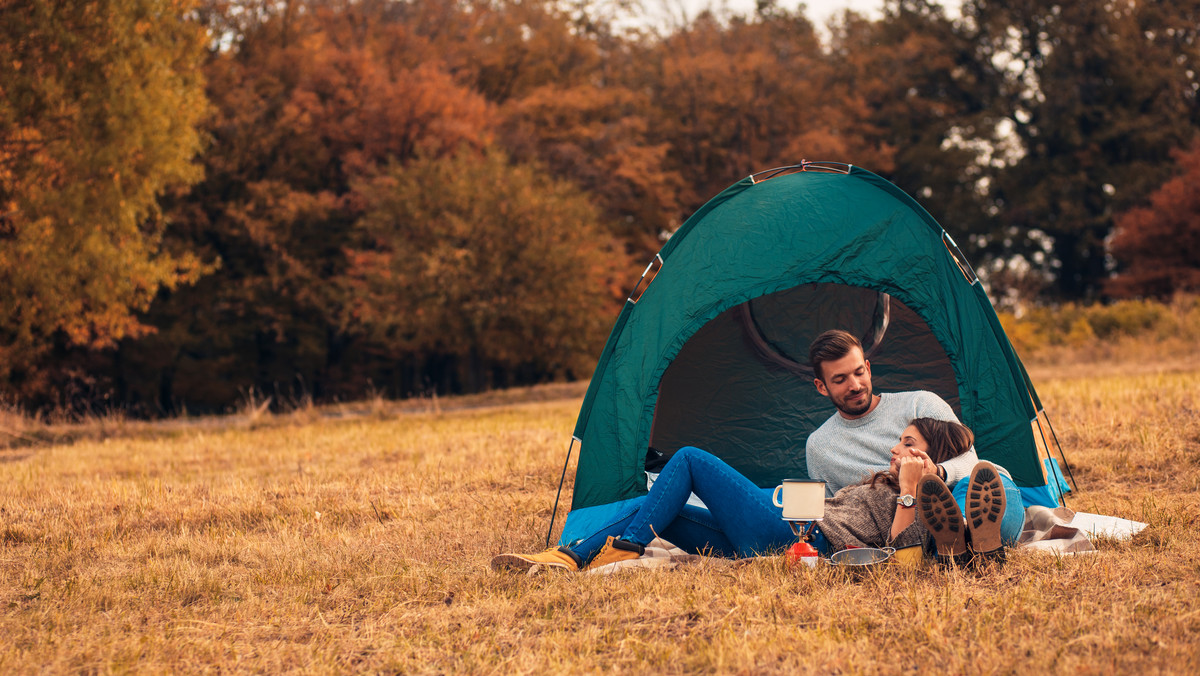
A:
843, 452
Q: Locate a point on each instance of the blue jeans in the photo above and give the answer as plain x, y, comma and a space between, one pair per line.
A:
1014, 511
740, 519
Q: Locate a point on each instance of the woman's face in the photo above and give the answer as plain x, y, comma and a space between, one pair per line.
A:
910, 440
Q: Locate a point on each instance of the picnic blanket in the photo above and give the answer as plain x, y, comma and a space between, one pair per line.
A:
659, 554
1061, 530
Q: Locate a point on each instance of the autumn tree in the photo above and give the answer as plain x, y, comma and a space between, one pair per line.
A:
601, 139
739, 96
306, 102
913, 73
476, 273
559, 76
98, 118
1158, 246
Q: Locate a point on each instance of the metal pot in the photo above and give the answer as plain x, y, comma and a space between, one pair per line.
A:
860, 561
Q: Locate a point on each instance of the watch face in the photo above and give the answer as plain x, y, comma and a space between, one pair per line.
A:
906, 500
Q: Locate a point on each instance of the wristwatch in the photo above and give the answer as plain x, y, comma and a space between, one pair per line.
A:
905, 500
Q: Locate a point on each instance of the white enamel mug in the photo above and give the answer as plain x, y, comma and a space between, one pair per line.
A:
801, 500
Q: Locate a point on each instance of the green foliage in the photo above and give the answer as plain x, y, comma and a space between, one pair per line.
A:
98, 120
1096, 97
495, 266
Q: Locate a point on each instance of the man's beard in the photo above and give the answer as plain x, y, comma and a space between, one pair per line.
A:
856, 409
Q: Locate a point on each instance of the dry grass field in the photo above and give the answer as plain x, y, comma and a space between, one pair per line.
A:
326, 543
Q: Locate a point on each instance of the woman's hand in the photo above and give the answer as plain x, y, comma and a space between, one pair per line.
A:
911, 471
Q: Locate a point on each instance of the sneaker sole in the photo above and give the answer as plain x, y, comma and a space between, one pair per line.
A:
941, 516
985, 507
519, 564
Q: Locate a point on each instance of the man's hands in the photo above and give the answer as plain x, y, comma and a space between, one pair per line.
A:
930, 466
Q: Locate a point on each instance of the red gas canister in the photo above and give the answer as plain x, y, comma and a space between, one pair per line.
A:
804, 553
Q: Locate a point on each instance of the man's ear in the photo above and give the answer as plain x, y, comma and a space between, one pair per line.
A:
820, 384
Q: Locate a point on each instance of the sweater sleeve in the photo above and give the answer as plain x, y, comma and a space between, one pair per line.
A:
813, 460
914, 535
960, 467
861, 516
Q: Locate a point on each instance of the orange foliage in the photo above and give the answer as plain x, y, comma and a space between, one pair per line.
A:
733, 100
601, 139
448, 192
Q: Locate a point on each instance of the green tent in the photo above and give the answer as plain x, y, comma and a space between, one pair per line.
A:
713, 351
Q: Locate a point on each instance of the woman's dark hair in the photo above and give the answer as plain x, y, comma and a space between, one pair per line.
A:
946, 440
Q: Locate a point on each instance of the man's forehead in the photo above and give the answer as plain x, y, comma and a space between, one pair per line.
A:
845, 365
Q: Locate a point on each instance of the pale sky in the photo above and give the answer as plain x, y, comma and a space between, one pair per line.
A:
668, 13
818, 10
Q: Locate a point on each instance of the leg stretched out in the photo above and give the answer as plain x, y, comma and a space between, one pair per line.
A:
740, 519
741, 510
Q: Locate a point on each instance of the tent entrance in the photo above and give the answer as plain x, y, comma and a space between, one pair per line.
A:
756, 315
741, 386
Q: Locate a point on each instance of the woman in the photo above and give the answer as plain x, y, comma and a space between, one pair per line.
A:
741, 519
919, 504
868, 514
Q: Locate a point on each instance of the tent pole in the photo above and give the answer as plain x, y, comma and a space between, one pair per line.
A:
1062, 455
557, 495
1037, 419
630, 298
1049, 454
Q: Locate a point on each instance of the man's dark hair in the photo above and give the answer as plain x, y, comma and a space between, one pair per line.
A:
830, 346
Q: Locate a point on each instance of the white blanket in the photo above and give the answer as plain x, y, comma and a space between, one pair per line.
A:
1064, 531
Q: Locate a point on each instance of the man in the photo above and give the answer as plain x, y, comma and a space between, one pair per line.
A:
855, 441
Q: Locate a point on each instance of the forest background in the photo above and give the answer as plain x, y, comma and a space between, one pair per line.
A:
204, 201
